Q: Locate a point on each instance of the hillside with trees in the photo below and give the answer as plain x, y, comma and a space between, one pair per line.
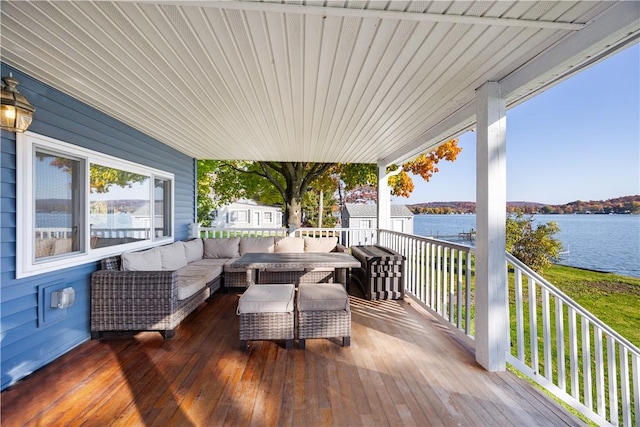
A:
618, 205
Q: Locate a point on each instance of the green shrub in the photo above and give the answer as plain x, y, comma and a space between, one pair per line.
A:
536, 247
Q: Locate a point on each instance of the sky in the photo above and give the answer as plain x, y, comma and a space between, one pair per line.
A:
579, 140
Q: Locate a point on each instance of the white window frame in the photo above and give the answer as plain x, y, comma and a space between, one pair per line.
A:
26, 145
267, 217
237, 219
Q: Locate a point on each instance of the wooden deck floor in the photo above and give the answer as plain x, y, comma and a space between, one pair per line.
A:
402, 369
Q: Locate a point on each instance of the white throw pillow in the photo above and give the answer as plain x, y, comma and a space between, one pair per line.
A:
289, 244
173, 256
256, 245
142, 261
222, 248
320, 244
194, 249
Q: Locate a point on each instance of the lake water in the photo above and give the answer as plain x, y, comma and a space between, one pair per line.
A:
598, 242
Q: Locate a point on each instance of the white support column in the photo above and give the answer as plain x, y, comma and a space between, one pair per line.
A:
384, 198
491, 199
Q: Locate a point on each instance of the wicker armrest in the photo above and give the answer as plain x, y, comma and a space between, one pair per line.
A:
117, 285
133, 300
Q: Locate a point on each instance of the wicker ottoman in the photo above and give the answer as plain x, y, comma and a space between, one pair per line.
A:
267, 313
323, 312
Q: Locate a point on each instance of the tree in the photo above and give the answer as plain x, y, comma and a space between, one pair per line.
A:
100, 177
362, 194
286, 183
536, 247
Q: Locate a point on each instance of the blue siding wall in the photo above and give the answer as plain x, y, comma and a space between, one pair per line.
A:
30, 340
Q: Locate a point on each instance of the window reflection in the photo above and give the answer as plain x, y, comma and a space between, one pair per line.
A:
57, 204
119, 206
162, 200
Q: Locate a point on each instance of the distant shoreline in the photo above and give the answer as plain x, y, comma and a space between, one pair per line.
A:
618, 206
535, 213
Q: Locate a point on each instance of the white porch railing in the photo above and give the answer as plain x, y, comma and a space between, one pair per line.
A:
438, 275
43, 233
570, 352
53, 233
346, 236
218, 233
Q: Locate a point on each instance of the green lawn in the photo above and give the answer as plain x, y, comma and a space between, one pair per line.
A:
613, 299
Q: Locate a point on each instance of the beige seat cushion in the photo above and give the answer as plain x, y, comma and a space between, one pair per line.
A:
256, 245
222, 248
210, 262
267, 299
194, 250
149, 260
289, 244
173, 256
192, 278
322, 297
320, 244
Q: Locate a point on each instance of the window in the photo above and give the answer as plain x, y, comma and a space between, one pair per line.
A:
119, 206
57, 204
365, 223
239, 216
268, 217
76, 205
162, 198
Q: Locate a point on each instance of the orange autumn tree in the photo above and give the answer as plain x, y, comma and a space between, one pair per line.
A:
355, 176
425, 165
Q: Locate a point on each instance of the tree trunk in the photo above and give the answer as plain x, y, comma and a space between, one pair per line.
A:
294, 213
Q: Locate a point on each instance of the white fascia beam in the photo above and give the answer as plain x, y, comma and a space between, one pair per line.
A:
370, 13
452, 126
609, 33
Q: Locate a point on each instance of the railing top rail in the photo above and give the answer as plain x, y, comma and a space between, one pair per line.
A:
573, 304
335, 230
241, 229
447, 243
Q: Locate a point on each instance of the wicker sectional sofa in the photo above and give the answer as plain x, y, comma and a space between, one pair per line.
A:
155, 289
151, 290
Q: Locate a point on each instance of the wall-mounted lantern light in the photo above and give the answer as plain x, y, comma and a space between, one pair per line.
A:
15, 111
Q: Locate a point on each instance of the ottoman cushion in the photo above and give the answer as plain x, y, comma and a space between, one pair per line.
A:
322, 297
267, 299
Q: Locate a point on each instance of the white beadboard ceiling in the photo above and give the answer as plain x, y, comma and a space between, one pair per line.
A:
324, 81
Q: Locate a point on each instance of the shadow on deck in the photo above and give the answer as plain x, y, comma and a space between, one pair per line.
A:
402, 368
